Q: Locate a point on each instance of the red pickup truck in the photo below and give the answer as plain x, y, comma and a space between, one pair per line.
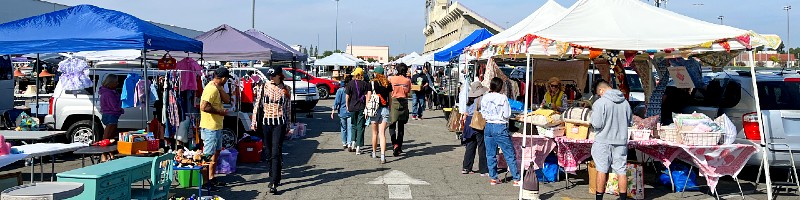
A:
325, 87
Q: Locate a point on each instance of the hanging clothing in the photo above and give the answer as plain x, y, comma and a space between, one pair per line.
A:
74, 74
189, 74
144, 88
128, 96
247, 90
274, 101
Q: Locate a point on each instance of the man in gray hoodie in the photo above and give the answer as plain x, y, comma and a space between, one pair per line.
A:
611, 117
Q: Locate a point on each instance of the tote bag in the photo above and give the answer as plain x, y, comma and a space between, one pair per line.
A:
478, 122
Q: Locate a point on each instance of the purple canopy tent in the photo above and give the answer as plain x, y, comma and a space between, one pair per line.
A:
275, 42
226, 43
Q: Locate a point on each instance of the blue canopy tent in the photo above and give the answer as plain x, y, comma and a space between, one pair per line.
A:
455, 51
88, 28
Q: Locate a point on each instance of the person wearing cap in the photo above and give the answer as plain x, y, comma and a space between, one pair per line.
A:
473, 138
211, 116
418, 97
357, 91
272, 110
398, 109
380, 85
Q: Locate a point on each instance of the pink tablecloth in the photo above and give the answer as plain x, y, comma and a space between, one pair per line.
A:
572, 152
713, 161
536, 150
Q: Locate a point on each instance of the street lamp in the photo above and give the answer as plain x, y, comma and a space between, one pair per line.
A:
337, 25
720, 19
351, 37
788, 35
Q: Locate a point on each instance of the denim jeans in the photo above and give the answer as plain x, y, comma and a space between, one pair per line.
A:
346, 127
418, 105
497, 135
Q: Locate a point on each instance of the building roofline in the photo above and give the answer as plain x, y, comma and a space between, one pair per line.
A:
478, 17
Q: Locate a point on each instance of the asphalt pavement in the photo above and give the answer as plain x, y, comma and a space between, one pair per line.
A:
316, 167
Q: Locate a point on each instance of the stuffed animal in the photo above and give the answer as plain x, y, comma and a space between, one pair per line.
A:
5, 147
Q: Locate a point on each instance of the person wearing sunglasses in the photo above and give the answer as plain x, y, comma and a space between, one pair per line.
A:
555, 98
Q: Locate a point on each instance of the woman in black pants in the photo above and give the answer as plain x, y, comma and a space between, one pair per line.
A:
273, 107
398, 109
472, 138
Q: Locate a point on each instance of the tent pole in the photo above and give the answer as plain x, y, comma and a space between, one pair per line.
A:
524, 125
764, 149
294, 84
146, 92
36, 71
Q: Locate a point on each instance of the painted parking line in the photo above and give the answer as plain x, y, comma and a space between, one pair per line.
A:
400, 192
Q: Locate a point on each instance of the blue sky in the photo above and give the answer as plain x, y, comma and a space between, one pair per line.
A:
399, 23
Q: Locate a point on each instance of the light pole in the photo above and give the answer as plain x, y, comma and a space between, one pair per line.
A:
351, 37
254, 15
720, 20
788, 34
337, 25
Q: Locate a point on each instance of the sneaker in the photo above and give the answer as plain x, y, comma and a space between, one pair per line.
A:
516, 183
344, 146
484, 174
358, 150
464, 171
373, 155
494, 182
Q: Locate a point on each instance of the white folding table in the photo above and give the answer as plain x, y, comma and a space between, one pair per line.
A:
46, 149
30, 136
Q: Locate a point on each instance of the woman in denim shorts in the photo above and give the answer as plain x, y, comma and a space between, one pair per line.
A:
380, 85
110, 107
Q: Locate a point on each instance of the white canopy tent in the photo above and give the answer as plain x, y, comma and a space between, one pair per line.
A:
407, 59
536, 21
338, 59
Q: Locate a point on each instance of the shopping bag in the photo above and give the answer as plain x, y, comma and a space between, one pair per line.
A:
635, 182
682, 179
549, 172
454, 123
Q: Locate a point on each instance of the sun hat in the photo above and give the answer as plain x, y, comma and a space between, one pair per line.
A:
477, 89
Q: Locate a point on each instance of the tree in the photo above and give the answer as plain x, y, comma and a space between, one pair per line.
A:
739, 64
372, 60
304, 50
781, 49
326, 54
761, 64
338, 51
316, 51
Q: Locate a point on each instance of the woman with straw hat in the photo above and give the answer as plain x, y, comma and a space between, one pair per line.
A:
473, 138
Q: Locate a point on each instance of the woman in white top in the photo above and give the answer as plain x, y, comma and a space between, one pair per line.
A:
496, 110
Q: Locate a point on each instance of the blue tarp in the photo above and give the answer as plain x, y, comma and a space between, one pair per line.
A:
88, 28
456, 50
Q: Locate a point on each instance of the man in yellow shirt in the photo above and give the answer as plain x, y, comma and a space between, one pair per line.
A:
211, 116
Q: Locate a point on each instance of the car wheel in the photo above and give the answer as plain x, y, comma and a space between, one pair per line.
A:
324, 92
228, 138
83, 132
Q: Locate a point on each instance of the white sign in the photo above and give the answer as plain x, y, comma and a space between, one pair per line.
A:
681, 77
398, 184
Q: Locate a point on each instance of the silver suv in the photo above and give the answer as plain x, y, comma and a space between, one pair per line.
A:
72, 111
731, 93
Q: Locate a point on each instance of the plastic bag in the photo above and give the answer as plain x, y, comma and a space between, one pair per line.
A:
679, 175
550, 171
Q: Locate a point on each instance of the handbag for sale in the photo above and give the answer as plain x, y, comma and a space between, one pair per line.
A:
167, 62
578, 115
373, 103
478, 122
454, 123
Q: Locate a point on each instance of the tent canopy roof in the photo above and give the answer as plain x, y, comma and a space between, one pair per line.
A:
275, 42
226, 43
631, 25
456, 50
88, 28
338, 59
536, 21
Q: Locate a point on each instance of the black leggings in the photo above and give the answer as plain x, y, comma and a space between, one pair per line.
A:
273, 150
397, 130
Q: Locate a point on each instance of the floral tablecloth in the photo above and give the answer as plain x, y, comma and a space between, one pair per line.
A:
536, 149
572, 152
713, 161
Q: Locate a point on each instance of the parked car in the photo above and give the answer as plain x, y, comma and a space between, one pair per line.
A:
72, 111
325, 87
732, 93
305, 95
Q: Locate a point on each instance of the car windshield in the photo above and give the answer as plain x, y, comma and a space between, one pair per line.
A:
779, 95
634, 82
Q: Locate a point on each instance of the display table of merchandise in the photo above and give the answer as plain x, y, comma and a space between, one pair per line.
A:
713, 161
30, 135
39, 150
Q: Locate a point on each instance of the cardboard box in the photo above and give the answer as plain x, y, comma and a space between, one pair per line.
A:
131, 148
416, 87
577, 131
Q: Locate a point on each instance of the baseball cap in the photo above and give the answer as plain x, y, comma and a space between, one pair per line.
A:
274, 71
222, 72
378, 70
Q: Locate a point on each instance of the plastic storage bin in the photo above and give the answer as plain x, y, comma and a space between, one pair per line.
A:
185, 177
